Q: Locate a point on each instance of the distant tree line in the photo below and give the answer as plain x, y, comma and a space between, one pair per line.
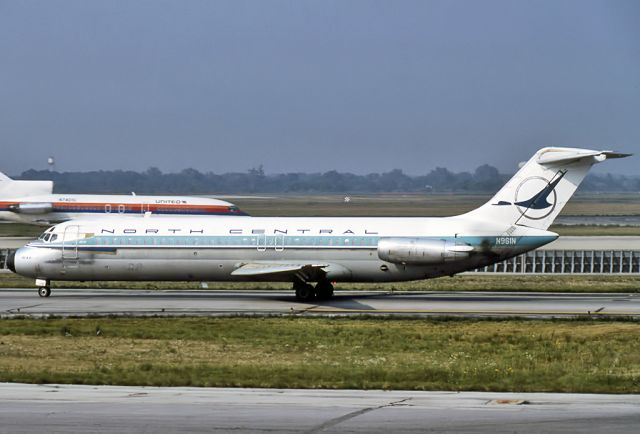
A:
484, 179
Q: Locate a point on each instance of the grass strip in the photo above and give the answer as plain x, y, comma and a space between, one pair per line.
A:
418, 354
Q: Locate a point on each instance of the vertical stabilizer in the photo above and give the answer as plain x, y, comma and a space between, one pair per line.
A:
10, 188
537, 193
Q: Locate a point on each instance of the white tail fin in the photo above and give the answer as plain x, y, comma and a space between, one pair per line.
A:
537, 193
10, 188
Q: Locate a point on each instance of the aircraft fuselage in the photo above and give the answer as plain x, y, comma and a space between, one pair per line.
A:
159, 248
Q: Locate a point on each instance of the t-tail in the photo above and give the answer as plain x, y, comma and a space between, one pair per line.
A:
542, 187
11, 188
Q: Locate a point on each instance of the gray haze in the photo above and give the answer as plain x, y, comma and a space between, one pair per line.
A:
358, 86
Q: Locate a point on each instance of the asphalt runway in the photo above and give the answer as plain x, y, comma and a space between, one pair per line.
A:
79, 302
73, 408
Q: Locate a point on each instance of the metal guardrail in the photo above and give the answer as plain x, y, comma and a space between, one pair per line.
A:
569, 262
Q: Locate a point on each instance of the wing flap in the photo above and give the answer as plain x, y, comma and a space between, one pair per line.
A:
267, 268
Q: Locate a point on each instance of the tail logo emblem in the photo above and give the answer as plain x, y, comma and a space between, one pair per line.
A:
536, 196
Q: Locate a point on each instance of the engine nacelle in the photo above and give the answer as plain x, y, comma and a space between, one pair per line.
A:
31, 208
421, 251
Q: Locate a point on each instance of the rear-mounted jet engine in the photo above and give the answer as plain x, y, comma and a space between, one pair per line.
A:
31, 208
421, 251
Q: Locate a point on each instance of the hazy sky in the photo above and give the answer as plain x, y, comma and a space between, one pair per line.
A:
358, 86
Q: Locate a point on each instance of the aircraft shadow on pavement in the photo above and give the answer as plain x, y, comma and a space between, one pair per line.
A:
343, 302
337, 301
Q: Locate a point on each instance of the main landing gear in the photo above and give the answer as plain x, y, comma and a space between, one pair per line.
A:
306, 292
44, 287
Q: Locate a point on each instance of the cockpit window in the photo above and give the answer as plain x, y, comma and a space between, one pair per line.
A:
48, 237
44, 237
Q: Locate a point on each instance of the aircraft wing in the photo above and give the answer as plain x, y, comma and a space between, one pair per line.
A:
272, 268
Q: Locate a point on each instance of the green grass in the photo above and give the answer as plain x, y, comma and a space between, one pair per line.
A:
468, 282
20, 230
559, 356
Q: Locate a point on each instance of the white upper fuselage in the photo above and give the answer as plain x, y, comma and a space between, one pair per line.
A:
300, 226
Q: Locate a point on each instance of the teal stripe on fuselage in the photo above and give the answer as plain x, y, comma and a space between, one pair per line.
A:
288, 241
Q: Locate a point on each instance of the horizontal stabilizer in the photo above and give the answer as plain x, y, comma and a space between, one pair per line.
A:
555, 156
612, 154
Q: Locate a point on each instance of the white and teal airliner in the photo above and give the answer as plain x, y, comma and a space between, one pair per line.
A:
312, 253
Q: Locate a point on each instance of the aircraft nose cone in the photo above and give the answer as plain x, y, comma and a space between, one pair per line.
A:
11, 261
31, 261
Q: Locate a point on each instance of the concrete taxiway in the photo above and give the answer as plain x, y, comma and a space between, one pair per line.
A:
73, 408
78, 302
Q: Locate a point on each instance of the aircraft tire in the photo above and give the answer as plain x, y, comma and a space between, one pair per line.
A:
44, 291
324, 290
305, 292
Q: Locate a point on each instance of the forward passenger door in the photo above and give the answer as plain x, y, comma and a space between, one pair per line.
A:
70, 246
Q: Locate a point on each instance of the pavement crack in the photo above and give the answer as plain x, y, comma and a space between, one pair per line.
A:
303, 310
338, 420
19, 309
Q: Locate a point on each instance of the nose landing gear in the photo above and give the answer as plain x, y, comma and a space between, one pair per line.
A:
44, 287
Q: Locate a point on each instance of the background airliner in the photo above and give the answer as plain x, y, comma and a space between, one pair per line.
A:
34, 202
321, 250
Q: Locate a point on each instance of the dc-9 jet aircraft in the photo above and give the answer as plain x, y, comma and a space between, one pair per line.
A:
320, 250
33, 202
